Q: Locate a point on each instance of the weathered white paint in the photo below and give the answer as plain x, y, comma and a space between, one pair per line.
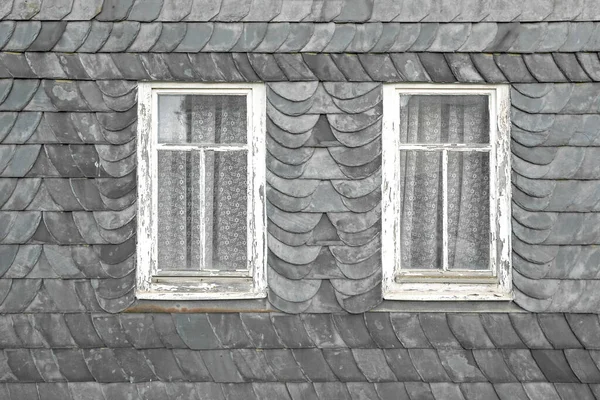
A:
154, 282
443, 284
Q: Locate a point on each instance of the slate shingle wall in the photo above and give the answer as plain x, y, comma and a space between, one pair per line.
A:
68, 73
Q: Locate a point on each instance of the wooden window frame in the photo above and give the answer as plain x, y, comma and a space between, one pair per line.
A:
423, 285
209, 285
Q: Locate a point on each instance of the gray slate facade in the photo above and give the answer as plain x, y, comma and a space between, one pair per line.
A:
70, 325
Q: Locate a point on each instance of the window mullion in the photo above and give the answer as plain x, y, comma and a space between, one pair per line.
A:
202, 205
445, 210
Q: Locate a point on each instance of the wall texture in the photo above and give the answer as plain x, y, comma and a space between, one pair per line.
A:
68, 84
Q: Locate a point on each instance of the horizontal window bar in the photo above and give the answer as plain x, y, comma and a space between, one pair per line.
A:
201, 146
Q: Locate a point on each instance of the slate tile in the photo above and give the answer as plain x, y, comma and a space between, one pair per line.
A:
362, 391
221, 366
24, 33
582, 365
322, 331
110, 330
103, 365
265, 66
487, 67
408, 330
28, 335
570, 67
529, 330
478, 391
574, 391
448, 391
170, 37
271, 390
554, 365
332, 390
418, 390
73, 66
152, 390
586, 328
301, 391
23, 391
353, 330
46, 65
509, 391
139, 330
557, 331
97, 36
291, 331
540, 391
181, 390
22, 365
252, 365
409, 66
209, 391
134, 365
493, 366
460, 365
260, 330
17, 65
501, 331
131, 67
114, 10
469, 331
8, 335
229, 330
54, 329
50, 391
72, 365
145, 10
195, 331
381, 330
462, 67
284, 366
351, 67
372, 363
523, 366
543, 68
164, 365
379, 67
49, 35
192, 365
119, 391
428, 365
435, 327
313, 365
400, 362
155, 66
437, 67
293, 67
391, 391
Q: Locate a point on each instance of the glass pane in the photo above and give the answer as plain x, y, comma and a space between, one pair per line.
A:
444, 119
468, 210
179, 210
202, 119
226, 210
421, 209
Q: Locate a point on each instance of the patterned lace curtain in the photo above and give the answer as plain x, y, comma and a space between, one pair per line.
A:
444, 119
202, 194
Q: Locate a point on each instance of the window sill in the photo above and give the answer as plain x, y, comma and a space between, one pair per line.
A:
411, 291
202, 289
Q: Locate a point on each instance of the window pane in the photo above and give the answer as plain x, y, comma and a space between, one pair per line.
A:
202, 119
468, 210
444, 119
421, 221
226, 208
179, 210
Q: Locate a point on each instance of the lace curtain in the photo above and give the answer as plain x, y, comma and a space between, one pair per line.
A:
444, 119
202, 194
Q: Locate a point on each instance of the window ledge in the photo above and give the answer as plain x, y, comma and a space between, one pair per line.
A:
447, 292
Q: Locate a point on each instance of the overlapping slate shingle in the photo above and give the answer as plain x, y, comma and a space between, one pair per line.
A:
285, 37
311, 10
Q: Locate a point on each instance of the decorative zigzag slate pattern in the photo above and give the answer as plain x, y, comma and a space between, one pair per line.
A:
109, 92
324, 195
305, 10
283, 37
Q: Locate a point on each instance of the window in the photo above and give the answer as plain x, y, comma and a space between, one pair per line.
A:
201, 211
446, 192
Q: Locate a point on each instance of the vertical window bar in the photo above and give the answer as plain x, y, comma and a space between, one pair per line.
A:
445, 210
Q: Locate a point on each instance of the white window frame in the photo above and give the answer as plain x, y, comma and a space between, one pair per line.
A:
205, 285
424, 285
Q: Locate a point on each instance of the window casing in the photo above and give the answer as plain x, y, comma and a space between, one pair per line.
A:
445, 149
201, 174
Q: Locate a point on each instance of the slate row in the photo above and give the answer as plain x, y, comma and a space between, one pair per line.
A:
298, 391
427, 332
74, 227
306, 10
284, 37
67, 194
265, 67
299, 365
102, 128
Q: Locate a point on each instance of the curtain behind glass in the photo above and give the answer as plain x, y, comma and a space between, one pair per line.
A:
190, 194
444, 119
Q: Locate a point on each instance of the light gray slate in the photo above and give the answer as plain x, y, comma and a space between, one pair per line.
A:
23, 35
